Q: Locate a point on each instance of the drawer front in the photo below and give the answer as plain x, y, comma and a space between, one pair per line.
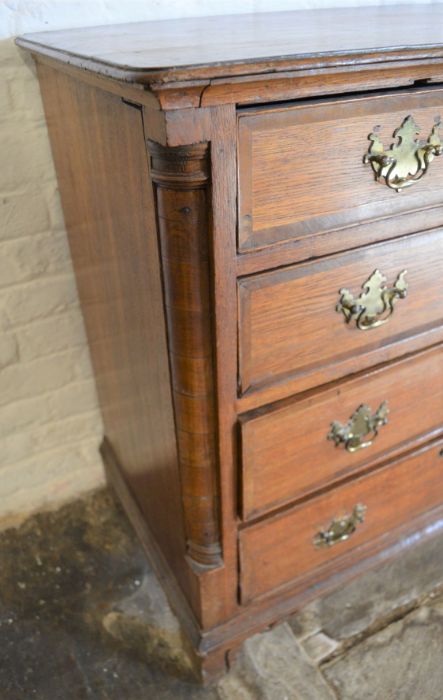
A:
302, 169
290, 325
294, 449
281, 550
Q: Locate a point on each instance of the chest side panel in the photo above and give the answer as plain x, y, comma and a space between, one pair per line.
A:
100, 156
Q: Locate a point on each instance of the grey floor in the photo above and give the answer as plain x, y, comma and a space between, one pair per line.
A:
82, 616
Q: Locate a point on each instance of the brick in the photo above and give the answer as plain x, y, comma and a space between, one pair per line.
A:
83, 366
52, 195
4, 321
22, 446
6, 104
77, 397
16, 447
50, 478
22, 214
91, 454
69, 431
30, 379
26, 156
51, 335
12, 59
50, 425
40, 299
25, 93
8, 350
31, 257
24, 414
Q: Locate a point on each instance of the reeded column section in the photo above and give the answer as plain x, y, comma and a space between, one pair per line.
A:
181, 177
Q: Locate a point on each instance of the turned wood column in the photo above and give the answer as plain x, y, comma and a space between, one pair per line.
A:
181, 180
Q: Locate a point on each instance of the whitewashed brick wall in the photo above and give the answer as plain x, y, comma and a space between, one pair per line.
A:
50, 425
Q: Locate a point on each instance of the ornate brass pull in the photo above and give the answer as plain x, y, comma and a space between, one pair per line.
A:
361, 429
376, 302
406, 161
341, 528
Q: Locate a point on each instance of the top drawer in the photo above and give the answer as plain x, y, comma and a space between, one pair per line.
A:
301, 169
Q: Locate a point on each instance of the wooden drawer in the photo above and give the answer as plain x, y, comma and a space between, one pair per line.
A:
301, 169
289, 324
286, 453
281, 550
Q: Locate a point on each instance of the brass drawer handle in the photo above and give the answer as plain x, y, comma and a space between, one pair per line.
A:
341, 528
361, 429
406, 161
376, 302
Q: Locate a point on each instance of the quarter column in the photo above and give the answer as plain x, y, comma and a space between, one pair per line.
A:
181, 181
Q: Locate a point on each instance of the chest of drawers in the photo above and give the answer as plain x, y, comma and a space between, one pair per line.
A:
255, 214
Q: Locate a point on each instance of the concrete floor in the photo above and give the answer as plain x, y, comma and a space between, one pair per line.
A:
82, 617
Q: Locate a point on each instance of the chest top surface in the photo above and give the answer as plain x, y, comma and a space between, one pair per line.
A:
222, 46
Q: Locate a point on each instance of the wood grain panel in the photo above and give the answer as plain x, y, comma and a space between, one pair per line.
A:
301, 168
280, 550
289, 325
286, 453
100, 156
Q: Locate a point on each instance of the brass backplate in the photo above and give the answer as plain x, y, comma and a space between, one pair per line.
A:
340, 528
361, 429
407, 160
376, 302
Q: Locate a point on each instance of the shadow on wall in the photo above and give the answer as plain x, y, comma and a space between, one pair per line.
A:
50, 426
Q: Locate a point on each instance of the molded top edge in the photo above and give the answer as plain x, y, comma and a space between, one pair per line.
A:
228, 45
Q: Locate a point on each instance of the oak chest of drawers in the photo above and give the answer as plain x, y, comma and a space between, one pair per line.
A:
255, 214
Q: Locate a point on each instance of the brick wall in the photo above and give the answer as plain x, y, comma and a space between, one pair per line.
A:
50, 425
49, 420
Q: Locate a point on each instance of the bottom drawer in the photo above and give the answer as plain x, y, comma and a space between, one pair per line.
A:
287, 547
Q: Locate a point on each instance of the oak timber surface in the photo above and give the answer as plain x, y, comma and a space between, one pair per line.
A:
289, 324
159, 48
287, 185
286, 453
281, 549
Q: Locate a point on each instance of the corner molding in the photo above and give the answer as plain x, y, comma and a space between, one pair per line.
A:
181, 178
